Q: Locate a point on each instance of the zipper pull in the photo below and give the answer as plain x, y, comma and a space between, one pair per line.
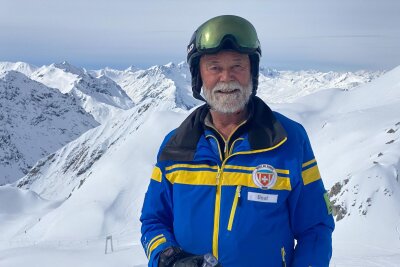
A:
218, 176
239, 189
226, 150
283, 253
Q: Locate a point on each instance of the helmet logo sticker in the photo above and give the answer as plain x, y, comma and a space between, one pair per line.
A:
264, 176
190, 48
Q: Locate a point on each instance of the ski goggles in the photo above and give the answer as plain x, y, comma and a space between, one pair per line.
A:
212, 36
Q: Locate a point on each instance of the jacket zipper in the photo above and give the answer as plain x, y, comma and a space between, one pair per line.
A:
219, 179
217, 211
233, 144
234, 206
283, 253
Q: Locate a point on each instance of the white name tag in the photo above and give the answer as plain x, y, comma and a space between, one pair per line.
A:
268, 198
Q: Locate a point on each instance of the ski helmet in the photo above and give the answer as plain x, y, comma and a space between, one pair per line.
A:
226, 32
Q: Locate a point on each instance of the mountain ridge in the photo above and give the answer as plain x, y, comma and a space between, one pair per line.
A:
34, 112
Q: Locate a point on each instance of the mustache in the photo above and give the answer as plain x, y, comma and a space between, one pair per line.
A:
226, 87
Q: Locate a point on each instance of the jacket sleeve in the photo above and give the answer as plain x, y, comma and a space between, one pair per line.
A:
310, 213
157, 218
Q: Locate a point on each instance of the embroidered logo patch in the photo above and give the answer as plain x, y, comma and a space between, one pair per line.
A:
264, 176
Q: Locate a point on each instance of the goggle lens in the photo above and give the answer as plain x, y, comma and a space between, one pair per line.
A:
211, 34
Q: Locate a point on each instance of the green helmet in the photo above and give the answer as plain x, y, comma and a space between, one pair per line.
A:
225, 32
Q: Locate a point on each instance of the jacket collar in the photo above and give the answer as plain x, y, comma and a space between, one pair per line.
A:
264, 131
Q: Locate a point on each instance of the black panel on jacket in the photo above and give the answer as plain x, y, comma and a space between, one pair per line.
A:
264, 129
182, 144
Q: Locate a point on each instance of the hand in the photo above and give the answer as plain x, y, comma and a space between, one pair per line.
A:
171, 255
191, 261
176, 257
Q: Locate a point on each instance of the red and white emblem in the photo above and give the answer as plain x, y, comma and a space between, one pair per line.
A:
264, 176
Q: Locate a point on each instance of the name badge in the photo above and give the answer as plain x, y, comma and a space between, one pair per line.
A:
267, 198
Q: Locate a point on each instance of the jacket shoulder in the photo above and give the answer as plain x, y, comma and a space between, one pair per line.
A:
165, 142
180, 144
292, 127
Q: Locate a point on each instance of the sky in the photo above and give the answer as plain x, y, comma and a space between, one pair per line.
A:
341, 35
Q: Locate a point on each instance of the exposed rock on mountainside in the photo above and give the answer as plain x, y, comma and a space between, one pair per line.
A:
35, 121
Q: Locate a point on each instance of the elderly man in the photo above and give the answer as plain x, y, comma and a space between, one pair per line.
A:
235, 184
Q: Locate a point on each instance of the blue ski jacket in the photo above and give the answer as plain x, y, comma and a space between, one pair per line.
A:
256, 199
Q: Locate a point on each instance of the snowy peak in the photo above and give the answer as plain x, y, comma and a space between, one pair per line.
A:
32, 111
22, 67
57, 76
67, 67
104, 90
168, 86
131, 69
100, 96
286, 86
116, 75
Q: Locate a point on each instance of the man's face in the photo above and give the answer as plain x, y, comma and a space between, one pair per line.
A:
226, 77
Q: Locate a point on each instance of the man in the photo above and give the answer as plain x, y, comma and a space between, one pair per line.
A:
235, 179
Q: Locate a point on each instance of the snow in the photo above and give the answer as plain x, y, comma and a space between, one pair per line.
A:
287, 86
93, 187
51, 255
57, 76
170, 82
22, 67
35, 121
99, 95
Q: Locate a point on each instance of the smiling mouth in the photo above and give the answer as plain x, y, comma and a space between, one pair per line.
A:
234, 91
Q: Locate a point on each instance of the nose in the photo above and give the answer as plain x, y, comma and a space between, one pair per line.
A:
226, 76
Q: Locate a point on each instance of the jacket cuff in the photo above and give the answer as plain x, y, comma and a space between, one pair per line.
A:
155, 254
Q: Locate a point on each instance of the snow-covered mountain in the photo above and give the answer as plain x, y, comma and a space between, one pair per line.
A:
100, 96
170, 83
60, 75
286, 86
93, 187
158, 88
356, 139
274, 86
22, 67
64, 88
35, 121
75, 162
117, 75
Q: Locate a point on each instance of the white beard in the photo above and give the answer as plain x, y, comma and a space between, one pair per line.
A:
228, 102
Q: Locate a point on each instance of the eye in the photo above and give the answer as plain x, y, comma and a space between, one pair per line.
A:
214, 68
238, 67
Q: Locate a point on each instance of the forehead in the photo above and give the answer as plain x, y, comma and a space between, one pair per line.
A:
225, 56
